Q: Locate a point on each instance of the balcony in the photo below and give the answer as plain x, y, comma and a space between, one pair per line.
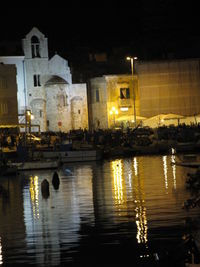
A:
125, 102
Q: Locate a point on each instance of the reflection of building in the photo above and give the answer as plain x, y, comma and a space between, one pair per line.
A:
8, 95
45, 87
161, 87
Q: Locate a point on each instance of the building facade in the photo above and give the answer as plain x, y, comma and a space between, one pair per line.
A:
111, 101
171, 86
161, 87
45, 88
8, 96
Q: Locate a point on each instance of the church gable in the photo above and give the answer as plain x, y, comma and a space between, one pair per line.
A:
35, 32
56, 59
59, 66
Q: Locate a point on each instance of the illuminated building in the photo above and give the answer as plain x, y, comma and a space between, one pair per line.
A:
111, 92
45, 87
160, 87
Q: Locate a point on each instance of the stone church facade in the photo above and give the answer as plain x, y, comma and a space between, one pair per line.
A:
47, 89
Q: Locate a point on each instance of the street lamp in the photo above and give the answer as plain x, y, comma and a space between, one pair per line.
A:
132, 70
28, 117
114, 112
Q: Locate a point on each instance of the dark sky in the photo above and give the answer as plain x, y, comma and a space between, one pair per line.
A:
145, 26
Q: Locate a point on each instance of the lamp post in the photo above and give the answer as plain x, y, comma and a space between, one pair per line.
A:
29, 117
114, 112
132, 71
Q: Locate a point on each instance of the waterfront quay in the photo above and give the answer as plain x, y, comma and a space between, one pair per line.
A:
138, 141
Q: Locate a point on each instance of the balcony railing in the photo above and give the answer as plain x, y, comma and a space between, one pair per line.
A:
125, 102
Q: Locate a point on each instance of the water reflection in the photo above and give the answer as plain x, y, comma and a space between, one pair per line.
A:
165, 172
173, 160
96, 206
128, 186
34, 194
140, 217
118, 186
1, 257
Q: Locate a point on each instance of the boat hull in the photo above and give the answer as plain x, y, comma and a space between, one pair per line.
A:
36, 165
70, 156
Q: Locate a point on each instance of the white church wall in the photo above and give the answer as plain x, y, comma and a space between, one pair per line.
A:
78, 98
58, 108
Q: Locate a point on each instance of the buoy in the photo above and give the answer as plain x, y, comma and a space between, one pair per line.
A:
55, 180
45, 188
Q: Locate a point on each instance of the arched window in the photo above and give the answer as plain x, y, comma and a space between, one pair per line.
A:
35, 47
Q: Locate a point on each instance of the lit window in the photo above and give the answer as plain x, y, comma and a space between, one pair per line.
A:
124, 93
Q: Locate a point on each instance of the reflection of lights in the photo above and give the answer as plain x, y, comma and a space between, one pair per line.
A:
173, 169
141, 222
135, 164
1, 257
117, 173
140, 217
165, 171
173, 151
34, 191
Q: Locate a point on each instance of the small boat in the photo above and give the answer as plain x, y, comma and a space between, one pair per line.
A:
69, 155
188, 160
188, 164
35, 165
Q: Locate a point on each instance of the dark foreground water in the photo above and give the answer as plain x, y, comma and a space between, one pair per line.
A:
122, 212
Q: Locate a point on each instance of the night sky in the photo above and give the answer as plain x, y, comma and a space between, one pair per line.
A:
148, 28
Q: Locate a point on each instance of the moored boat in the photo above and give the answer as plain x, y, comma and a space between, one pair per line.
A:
69, 155
187, 160
35, 165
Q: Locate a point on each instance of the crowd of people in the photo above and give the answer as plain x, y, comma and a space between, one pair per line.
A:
142, 136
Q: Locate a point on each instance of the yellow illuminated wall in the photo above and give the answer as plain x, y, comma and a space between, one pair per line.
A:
169, 87
8, 95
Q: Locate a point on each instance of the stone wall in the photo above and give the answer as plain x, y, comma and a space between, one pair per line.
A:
79, 106
8, 95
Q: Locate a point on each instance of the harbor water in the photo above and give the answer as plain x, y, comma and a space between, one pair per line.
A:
116, 212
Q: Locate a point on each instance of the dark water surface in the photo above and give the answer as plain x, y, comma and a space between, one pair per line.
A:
122, 212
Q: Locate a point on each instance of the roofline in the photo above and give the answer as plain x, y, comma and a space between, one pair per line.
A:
17, 57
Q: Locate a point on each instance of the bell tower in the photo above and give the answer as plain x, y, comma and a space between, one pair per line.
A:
35, 45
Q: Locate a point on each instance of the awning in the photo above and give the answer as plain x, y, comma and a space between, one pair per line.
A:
130, 118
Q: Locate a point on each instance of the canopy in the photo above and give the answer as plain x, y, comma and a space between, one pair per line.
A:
129, 118
163, 119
